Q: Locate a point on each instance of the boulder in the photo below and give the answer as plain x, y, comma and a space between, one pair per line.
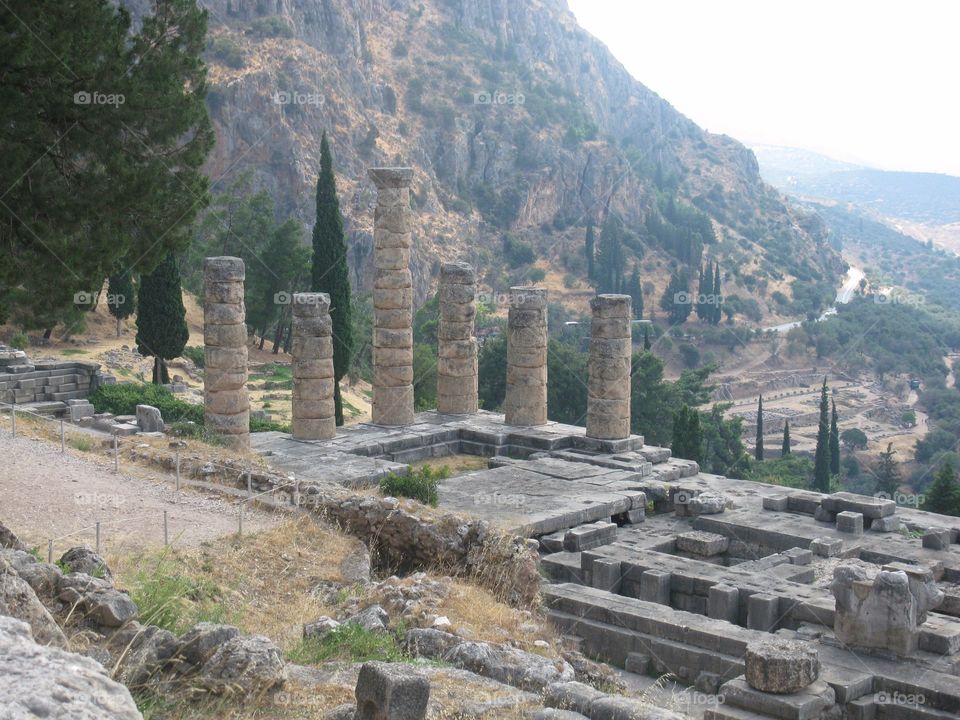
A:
521, 669
199, 643
108, 608
391, 691
244, 666
46, 682
84, 559
44, 578
73, 586
147, 655
149, 419
373, 619
18, 600
779, 665
320, 627
430, 643
9, 540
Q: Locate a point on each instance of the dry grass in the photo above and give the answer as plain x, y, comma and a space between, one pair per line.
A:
488, 619
457, 464
265, 578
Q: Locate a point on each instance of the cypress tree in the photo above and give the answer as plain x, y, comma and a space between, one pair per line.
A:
120, 299
943, 495
717, 296
821, 463
695, 441
646, 338
161, 321
330, 273
834, 441
888, 474
635, 291
700, 307
588, 249
785, 450
759, 450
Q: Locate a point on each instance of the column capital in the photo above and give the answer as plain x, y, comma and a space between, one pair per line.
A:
391, 177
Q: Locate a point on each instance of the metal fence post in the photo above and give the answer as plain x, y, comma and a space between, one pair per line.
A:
62, 437
166, 531
98, 537
116, 454
240, 521
249, 484
50, 551
13, 415
178, 470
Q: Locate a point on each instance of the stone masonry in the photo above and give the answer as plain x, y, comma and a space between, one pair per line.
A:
457, 363
526, 399
392, 299
608, 389
226, 405
313, 407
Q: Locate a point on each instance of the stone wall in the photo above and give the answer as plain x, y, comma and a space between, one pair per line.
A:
23, 380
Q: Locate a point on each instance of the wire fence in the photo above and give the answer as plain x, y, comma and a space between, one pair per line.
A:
66, 430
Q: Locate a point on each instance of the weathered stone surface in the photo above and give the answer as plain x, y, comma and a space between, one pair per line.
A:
850, 522
18, 600
320, 628
109, 608
149, 419
146, 656
609, 369
430, 642
521, 669
702, 543
84, 559
46, 682
9, 540
457, 386
199, 643
373, 619
391, 691
877, 613
244, 666
781, 666
525, 403
312, 367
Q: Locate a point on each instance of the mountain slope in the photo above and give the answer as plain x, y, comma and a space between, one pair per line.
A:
521, 128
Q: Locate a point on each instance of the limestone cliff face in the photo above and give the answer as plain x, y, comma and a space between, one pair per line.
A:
514, 119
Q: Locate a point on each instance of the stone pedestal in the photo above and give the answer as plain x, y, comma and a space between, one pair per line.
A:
313, 407
778, 665
457, 351
526, 399
226, 405
608, 389
392, 299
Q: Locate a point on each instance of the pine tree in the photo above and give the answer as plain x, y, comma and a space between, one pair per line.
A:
646, 338
821, 464
785, 450
687, 434
943, 495
120, 299
717, 298
834, 441
635, 291
330, 273
758, 453
676, 298
161, 320
589, 250
888, 474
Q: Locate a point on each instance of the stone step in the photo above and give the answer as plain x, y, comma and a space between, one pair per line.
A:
64, 396
808, 704
908, 711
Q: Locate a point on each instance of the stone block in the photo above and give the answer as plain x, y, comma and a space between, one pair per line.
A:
655, 586
811, 703
637, 663
850, 522
778, 503
826, 547
606, 575
149, 419
391, 691
723, 603
935, 538
890, 523
821, 514
702, 543
781, 666
881, 612
763, 612
574, 696
799, 556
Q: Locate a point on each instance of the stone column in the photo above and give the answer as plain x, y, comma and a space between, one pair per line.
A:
457, 351
226, 405
608, 389
526, 400
392, 299
313, 409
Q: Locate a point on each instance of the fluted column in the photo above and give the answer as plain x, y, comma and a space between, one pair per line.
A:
526, 399
226, 408
392, 299
457, 344
608, 389
313, 407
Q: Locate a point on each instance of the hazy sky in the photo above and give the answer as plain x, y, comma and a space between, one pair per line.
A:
875, 82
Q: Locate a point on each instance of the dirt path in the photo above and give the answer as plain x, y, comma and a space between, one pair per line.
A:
45, 495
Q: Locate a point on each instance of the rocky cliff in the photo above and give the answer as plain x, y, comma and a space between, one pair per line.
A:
516, 121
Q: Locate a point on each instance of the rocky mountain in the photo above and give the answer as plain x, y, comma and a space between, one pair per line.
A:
521, 128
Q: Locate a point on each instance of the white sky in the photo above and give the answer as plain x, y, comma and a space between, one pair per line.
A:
869, 81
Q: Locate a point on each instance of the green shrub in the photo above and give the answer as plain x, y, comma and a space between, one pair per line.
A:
419, 484
195, 354
19, 341
271, 27
123, 400
173, 600
227, 51
536, 275
350, 643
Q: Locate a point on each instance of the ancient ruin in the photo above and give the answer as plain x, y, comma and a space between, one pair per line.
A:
312, 360
526, 400
608, 390
226, 405
392, 299
457, 352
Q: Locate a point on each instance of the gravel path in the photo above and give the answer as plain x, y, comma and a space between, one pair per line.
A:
44, 494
